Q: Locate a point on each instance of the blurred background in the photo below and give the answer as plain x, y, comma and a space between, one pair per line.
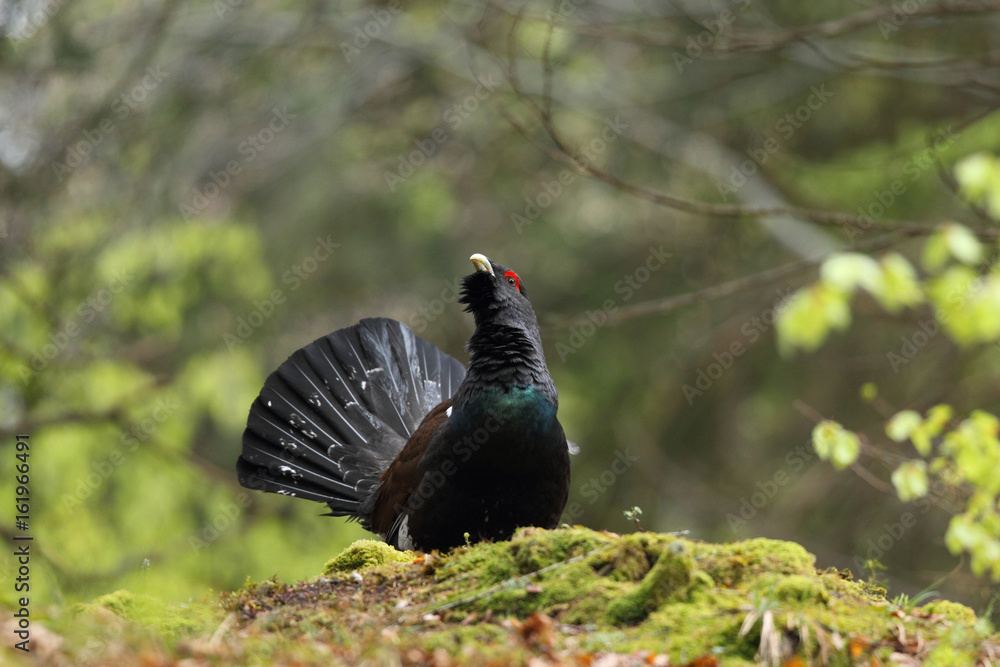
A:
190, 191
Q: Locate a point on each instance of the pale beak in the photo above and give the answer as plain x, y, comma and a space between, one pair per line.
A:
482, 263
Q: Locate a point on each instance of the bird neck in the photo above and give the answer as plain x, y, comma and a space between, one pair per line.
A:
506, 358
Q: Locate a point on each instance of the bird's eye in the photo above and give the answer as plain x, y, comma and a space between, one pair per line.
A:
513, 280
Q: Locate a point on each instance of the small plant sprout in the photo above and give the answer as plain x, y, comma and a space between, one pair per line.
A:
633, 516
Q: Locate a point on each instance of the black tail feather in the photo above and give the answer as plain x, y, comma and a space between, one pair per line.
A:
334, 415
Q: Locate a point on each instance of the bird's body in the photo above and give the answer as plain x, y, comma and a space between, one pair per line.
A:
385, 428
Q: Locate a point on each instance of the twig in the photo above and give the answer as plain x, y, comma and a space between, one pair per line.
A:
561, 152
737, 285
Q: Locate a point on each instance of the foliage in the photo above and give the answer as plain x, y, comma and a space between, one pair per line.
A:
960, 456
126, 483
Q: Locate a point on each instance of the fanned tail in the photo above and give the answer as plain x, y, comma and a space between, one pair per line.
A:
333, 416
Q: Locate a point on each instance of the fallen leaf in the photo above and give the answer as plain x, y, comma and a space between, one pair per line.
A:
704, 661
537, 630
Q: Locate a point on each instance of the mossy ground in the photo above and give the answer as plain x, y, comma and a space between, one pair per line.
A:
570, 596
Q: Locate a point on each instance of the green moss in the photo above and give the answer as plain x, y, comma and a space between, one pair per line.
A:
729, 564
673, 576
535, 548
944, 655
953, 611
793, 588
565, 593
366, 553
166, 619
623, 560
488, 564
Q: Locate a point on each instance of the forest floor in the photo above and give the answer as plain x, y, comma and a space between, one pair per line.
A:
571, 596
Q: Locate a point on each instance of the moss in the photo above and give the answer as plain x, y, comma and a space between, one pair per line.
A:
793, 588
535, 548
953, 611
487, 563
731, 563
561, 596
624, 560
944, 655
166, 619
586, 609
364, 554
673, 576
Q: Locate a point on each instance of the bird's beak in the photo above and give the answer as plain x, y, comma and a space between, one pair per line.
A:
482, 263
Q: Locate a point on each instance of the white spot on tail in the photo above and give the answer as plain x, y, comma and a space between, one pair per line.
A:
448, 411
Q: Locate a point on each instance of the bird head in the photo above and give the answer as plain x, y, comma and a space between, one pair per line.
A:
494, 294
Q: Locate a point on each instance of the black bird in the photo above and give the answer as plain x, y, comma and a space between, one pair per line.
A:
387, 429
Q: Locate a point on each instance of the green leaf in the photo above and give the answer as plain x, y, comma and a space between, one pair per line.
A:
921, 440
936, 253
963, 244
900, 286
836, 444
810, 314
910, 480
850, 270
976, 534
952, 292
978, 175
937, 417
903, 424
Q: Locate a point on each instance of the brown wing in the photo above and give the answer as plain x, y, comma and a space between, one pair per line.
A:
403, 475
